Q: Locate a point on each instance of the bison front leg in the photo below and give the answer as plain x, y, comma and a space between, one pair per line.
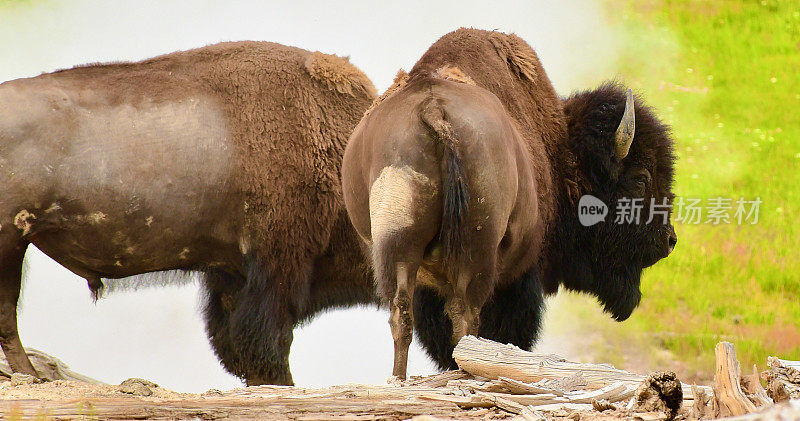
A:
401, 319
262, 325
221, 289
10, 280
249, 321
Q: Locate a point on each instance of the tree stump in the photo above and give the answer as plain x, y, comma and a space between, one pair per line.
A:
731, 400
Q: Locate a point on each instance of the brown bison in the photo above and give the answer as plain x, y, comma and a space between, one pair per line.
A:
223, 160
465, 180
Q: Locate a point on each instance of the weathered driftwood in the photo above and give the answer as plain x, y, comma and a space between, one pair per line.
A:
571, 383
660, 392
562, 387
751, 386
731, 400
704, 406
492, 360
603, 405
438, 380
48, 367
459, 399
215, 408
530, 414
518, 387
784, 411
614, 392
783, 379
489, 359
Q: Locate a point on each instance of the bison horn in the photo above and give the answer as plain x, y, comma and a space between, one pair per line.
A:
624, 136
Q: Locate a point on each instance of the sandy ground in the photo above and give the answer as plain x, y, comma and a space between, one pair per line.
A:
70, 390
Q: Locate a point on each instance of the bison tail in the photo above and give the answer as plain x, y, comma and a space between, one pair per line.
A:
453, 232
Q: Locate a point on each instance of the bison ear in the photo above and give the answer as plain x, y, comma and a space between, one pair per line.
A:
519, 56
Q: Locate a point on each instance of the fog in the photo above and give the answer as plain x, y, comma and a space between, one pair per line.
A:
157, 333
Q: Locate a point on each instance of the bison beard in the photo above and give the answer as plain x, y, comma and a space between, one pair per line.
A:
513, 315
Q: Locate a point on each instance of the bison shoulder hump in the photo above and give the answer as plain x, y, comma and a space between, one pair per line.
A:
338, 74
519, 56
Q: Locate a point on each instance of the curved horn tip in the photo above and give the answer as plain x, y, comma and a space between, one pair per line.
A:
623, 138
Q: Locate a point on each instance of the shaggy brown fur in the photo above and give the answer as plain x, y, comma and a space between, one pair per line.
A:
257, 210
506, 66
454, 74
339, 75
506, 175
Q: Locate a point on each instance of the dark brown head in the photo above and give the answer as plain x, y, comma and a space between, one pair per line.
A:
625, 160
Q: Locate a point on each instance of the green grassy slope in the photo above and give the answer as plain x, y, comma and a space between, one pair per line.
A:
726, 75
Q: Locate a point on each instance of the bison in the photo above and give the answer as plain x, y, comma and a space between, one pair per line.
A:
222, 160
465, 179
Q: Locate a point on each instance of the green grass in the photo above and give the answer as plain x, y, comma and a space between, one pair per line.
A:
16, 2
726, 75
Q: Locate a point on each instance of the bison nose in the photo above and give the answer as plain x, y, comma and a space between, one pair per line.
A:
673, 239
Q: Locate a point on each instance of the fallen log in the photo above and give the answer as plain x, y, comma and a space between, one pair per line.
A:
48, 367
612, 393
518, 387
485, 358
438, 380
482, 357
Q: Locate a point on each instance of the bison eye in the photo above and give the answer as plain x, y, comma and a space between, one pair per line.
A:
641, 177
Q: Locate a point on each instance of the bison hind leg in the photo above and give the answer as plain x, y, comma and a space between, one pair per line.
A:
512, 315
396, 260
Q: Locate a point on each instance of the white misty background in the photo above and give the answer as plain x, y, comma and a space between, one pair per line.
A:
157, 333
